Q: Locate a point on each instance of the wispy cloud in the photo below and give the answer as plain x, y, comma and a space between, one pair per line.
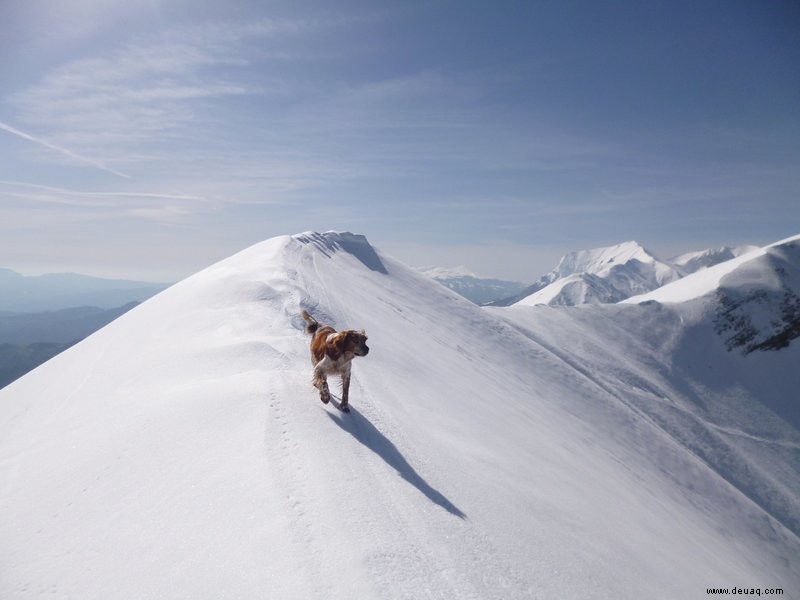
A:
149, 90
177, 88
179, 101
74, 155
76, 193
165, 207
110, 109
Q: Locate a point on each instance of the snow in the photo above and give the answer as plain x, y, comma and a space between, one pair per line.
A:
694, 261
572, 290
707, 280
598, 276
181, 451
612, 274
600, 261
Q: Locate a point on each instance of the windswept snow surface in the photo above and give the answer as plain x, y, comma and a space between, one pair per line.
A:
181, 452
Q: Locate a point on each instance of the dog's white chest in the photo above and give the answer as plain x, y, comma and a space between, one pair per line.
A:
341, 365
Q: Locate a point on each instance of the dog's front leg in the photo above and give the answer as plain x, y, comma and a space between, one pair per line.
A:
345, 388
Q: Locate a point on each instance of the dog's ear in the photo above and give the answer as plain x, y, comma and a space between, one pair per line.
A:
337, 345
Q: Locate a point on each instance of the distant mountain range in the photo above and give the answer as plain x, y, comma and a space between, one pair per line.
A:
612, 274
55, 291
29, 339
479, 290
41, 316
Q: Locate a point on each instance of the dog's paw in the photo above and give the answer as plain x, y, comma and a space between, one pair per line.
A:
344, 407
325, 398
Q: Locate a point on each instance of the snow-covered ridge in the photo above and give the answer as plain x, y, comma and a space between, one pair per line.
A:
755, 297
613, 274
355, 244
708, 280
182, 452
694, 261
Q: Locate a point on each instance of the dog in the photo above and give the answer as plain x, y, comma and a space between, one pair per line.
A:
331, 354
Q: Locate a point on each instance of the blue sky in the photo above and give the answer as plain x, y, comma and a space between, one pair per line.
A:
149, 139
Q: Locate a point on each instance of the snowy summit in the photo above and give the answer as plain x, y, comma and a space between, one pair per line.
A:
182, 452
598, 276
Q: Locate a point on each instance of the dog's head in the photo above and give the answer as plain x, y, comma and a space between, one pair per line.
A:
354, 342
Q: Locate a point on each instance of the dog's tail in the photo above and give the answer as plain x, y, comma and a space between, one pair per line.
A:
311, 322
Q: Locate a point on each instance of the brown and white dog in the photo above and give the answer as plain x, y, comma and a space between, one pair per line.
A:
331, 354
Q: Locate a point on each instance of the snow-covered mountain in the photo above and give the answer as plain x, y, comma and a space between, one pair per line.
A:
755, 297
575, 289
598, 276
56, 291
694, 261
607, 451
479, 290
710, 359
612, 274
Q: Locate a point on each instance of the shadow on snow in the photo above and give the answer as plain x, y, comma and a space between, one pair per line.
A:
365, 432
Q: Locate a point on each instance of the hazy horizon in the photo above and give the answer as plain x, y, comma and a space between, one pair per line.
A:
455, 253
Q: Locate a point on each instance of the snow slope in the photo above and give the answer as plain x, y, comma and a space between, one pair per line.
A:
735, 412
181, 452
572, 290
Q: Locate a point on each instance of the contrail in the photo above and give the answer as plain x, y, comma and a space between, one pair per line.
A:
46, 144
50, 188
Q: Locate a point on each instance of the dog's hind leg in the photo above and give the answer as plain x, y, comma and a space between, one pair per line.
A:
324, 392
321, 383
